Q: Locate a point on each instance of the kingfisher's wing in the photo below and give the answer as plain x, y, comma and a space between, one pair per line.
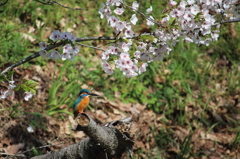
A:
76, 103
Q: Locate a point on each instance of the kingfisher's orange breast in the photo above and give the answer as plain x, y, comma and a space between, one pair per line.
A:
82, 104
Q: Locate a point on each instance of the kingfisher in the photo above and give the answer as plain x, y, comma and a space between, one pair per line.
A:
82, 102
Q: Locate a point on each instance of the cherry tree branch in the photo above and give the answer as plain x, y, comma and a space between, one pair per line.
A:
98, 48
230, 21
29, 58
60, 44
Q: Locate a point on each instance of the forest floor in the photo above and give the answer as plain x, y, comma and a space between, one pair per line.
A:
25, 126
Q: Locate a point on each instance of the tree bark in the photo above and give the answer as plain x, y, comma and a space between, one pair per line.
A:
104, 142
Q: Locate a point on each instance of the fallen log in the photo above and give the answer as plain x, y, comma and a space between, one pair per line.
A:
104, 142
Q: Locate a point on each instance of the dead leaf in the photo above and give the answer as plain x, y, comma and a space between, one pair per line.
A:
52, 121
196, 134
173, 149
12, 149
210, 136
28, 37
100, 115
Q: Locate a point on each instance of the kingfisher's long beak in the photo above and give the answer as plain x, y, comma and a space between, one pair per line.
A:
92, 94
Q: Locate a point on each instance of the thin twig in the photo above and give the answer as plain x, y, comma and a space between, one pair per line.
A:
91, 46
19, 63
52, 2
111, 42
143, 15
230, 21
17, 154
45, 3
107, 44
1, 4
222, 12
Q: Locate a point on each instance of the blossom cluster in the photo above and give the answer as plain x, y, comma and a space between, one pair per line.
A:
196, 19
9, 91
129, 64
69, 51
124, 62
192, 20
233, 10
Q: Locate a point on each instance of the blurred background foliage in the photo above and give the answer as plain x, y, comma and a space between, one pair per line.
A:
191, 76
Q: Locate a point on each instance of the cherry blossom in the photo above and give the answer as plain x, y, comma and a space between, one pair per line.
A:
172, 3
6, 93
124, 56
135, 5
54, 55
149, 10
73, 38
134, 19
104, 11
129, 33
150, 21
66, 55
190, 2
126, 46
42, 45
66, 35
28, 95
194, 9
56, 35
119, 11
67, 48
113, 20
120, 25
105, 55
143, 68
43, 53
106, 67
75, 49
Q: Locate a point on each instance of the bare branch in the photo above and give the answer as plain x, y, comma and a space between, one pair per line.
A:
1, 4
45, 3
52, 2
19, 63
98, 48
29, 58
230, 21
41, 147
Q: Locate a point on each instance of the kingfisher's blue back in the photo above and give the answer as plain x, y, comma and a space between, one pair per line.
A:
82, 102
